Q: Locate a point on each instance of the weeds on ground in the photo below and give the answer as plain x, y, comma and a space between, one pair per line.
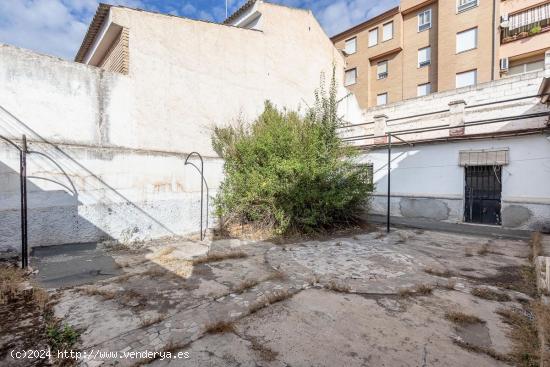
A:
490, 295
420, 290
450, 285
523, 332
266, 353
95, 291
338, 286
437, 272
220, 327
536, 246
152, 320
462, 318
482, 350
10, 280
484, 250
245, 285
214, 257
542, 315
468, 252
61, 337
269, 299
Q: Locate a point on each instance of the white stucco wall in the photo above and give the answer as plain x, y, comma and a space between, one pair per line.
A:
191, 75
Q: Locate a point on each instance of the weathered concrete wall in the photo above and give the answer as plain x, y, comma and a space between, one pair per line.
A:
428, 182
122, 139
394, 117
107, 193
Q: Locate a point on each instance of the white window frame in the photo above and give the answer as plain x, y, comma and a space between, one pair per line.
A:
476, 30
375, 41
422, 15
384, 39
467, 5
382, 75
385, 94
346, 78
354, 39
428, 60
429, 89
466, 72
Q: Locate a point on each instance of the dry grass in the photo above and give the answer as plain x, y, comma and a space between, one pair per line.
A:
490, 295
450, 285
122, 278
420, 290
542, 315
482, 350
523, 332
536, 246
338, 286
484, 250
214, 257
276, 275
152, 320
154, 273
462, 318
220, 327
41, 298
94, 291
165, 251
269, 299
403, 237
437, 272
266, 353
468, 252
10, 280
245, 285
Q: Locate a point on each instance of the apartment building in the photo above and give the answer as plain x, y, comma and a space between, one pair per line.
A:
424, 46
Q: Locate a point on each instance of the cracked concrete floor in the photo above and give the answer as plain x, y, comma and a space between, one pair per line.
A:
312, 303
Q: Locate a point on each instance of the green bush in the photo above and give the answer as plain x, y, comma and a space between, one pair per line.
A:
291, 173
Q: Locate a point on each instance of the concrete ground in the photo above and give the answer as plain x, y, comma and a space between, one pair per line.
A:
360, 300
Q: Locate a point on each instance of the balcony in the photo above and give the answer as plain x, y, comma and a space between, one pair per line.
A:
526, 23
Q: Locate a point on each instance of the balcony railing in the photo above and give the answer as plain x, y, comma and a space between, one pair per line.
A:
527, 23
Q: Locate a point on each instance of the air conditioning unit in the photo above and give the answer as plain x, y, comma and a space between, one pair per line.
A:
504, 64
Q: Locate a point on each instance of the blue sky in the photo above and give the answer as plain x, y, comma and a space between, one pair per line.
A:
56, 27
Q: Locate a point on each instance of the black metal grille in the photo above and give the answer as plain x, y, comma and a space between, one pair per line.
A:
483, 194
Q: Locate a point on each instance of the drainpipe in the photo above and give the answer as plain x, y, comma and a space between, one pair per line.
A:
493, 46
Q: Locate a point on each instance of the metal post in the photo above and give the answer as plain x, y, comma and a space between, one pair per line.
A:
389, 184
202, 186
23, 182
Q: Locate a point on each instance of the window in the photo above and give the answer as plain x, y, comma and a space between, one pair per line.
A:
423, 89
424, 56
425, 20
526, 67
382, 70
466, 40
466, 78
373, 37
463, 5
351, 46
382, 99
351, 77
387, 31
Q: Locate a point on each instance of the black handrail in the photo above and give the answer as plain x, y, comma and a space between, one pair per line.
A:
203, 182
23, 190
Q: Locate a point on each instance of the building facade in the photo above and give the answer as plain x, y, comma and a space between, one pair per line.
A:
425, 46
479, 154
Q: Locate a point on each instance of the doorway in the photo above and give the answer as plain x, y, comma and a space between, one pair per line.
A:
483, 193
